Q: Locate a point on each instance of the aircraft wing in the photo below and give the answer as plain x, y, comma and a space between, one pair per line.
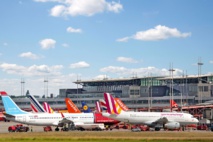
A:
161, 120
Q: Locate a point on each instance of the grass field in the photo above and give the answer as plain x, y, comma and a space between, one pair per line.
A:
108, 136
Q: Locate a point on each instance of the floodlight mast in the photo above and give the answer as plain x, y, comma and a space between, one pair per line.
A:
171, 70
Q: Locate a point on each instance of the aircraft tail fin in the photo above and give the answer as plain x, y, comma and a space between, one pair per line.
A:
112, 105
71, 107
47, 108
102, 104
10, 106
98, 107
173, 104
121, 104
35, 105
85, 107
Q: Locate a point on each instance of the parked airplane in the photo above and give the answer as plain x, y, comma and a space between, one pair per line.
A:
98, 117
169, 120
72, 108
14, 113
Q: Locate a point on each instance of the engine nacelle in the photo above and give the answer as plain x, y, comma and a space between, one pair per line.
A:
172, 125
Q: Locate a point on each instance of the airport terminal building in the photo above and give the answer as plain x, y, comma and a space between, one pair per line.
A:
145, 92
137, 93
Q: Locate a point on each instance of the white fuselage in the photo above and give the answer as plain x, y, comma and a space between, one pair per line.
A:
48, 119
148, 118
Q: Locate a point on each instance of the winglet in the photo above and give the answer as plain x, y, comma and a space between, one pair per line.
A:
110, 103
62, 115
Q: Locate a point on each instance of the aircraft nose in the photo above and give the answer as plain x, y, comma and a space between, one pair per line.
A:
196, 120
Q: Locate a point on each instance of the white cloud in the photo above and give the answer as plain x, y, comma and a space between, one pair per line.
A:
33, 70
81, 64
65, 45
158, 33
125, 39
72, 30
139, 71
57, 10
126, 60
82, 7
29, 55
47, 43
211, 62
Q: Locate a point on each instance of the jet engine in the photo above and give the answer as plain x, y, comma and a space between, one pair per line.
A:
172, 125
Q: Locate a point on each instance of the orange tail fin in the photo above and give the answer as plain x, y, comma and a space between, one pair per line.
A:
121, 104
71, 107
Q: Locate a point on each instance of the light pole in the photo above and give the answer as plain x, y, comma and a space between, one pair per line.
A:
22, 87
200, 89
171, 70
46, 87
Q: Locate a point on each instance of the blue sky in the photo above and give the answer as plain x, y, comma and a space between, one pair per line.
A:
62, 40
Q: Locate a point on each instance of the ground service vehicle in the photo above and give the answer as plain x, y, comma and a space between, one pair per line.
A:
18, 128
136, 129
47, 128
202, 127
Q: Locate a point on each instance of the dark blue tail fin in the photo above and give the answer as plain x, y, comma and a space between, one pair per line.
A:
85, 107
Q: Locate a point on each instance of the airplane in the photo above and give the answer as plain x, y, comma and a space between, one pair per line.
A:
15, 114
98, 117
72, 108
167, 120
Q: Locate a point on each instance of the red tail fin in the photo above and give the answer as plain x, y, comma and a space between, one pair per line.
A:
112, 105
173, 104
98, 108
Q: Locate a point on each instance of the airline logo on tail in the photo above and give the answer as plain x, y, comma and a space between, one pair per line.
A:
10, 106
71, 107
121, 104
35, 105
85, 107
98, 107
102, 104
112, 105
47, 107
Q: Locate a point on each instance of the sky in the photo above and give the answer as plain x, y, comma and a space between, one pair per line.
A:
49, 44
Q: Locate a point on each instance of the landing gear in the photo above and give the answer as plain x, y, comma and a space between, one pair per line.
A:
56, 129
